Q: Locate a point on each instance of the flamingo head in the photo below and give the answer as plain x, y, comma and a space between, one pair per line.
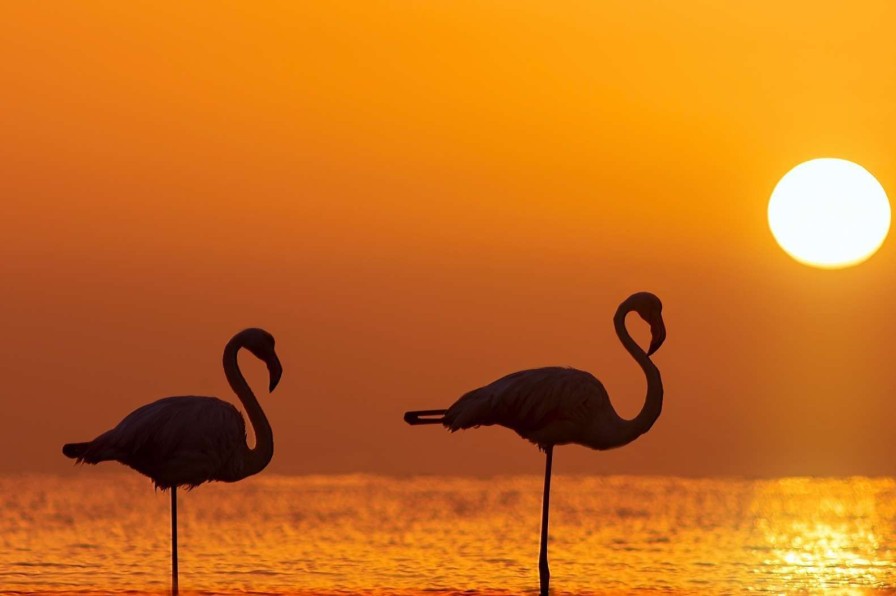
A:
649, 307
261, 344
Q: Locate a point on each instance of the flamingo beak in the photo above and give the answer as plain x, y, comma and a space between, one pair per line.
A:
658, 335
275, 370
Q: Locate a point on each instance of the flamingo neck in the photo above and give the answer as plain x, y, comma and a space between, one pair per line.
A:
256, 458
629, 430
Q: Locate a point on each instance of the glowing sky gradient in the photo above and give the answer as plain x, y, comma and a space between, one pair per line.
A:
416, 198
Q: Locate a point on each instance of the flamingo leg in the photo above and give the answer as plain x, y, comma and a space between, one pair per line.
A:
544, 574
174, 587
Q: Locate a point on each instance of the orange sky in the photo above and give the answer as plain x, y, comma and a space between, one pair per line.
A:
418, 197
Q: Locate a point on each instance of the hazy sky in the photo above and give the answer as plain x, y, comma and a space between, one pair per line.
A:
416, 198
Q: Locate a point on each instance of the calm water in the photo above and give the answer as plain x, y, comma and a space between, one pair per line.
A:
107, 532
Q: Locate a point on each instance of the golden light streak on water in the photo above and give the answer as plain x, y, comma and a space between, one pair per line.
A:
825, 536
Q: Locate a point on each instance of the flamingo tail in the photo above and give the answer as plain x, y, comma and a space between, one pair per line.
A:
75, 450
92, 452
425, 417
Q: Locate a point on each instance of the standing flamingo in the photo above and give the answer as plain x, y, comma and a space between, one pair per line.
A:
556, 406
185, 441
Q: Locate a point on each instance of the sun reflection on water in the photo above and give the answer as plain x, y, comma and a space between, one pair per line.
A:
824, 536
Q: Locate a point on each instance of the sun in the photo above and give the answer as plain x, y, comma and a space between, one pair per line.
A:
829, 213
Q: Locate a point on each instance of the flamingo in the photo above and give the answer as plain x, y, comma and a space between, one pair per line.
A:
557, 406
185, 441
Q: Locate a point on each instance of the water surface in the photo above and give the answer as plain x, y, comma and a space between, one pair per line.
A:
103, 532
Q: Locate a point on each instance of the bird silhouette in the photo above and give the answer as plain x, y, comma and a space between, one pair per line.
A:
557, 406
185, 441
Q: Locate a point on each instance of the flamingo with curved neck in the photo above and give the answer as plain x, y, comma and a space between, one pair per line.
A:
185, 441
557, 406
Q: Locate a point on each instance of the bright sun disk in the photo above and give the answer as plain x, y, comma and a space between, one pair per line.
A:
829, 213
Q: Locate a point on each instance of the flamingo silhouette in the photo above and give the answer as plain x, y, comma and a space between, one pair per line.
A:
557, 406
185, 441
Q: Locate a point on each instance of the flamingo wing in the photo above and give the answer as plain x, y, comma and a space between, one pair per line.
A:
547, 406
176, 441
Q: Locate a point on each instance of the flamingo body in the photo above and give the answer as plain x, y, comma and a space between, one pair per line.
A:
547, 406
176, 441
